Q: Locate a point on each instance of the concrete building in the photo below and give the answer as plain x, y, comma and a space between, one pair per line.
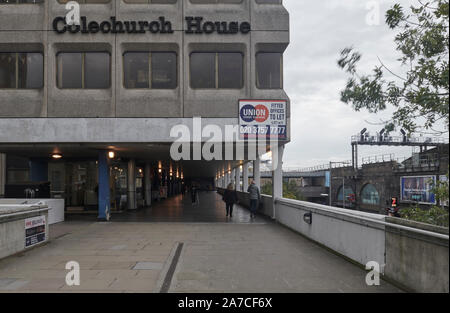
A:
90, 107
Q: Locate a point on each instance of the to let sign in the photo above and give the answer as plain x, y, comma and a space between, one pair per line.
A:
34, 231
263, 118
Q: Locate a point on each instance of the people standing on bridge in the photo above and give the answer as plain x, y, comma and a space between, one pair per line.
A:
230, 197
255, 197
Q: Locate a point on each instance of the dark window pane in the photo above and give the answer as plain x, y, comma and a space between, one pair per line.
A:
230, 70
164, 70
31, 70
268, 68
69, 70
7, 70
97, 71
136, 70
202, 69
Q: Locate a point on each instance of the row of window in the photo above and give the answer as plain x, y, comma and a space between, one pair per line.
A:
141, 70
142, 1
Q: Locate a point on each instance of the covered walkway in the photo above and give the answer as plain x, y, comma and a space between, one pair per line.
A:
179, 209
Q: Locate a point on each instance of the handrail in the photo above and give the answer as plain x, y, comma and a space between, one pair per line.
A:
24, 212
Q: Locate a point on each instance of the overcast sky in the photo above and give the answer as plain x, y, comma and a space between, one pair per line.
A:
322, 125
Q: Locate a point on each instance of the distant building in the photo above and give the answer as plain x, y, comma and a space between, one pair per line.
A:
372, 186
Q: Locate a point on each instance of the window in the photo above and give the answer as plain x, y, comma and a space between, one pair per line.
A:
269, 71
210, 70
86, 1
21, 1
150, 1
84, 70
155, 70
268, 1
21, 70
216, 1
369, 195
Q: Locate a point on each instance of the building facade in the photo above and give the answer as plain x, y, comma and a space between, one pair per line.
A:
372, 186
92, 105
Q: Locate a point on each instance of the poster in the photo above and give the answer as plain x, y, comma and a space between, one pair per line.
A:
263, 118
34, 231
418, 189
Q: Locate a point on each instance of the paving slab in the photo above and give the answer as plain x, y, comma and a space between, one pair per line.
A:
221, 256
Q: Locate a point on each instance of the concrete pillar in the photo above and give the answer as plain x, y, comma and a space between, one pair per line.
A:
245, 178
2, 174
277, 176
238, 178
148, 184
104, 197
257, 171
131, 188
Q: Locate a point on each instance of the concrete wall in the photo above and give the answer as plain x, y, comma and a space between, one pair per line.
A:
29, 28
417, 261
420, 262
344, 231
12, 227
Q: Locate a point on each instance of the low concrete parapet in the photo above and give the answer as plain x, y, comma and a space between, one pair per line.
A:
420, 261
413, 255
22, 227
55, 207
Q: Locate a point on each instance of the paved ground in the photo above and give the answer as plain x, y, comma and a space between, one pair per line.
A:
236, 255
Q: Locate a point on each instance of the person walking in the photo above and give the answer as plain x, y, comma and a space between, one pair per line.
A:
230, 197
194, 194
255, 196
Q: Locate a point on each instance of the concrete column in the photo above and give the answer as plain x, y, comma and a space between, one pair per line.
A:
257, 171
277, 176
104, 197
2, 174
238, 178
131, 188
148, 184
245, 178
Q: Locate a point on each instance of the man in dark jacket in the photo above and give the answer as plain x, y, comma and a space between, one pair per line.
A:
230, 197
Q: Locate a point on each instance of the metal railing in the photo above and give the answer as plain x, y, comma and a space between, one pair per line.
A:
368, 138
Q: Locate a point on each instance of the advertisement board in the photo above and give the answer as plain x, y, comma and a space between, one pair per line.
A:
418, 189
34, 230
263, 118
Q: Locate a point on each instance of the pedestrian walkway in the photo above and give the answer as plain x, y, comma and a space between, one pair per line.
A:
179, 209
220, 256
